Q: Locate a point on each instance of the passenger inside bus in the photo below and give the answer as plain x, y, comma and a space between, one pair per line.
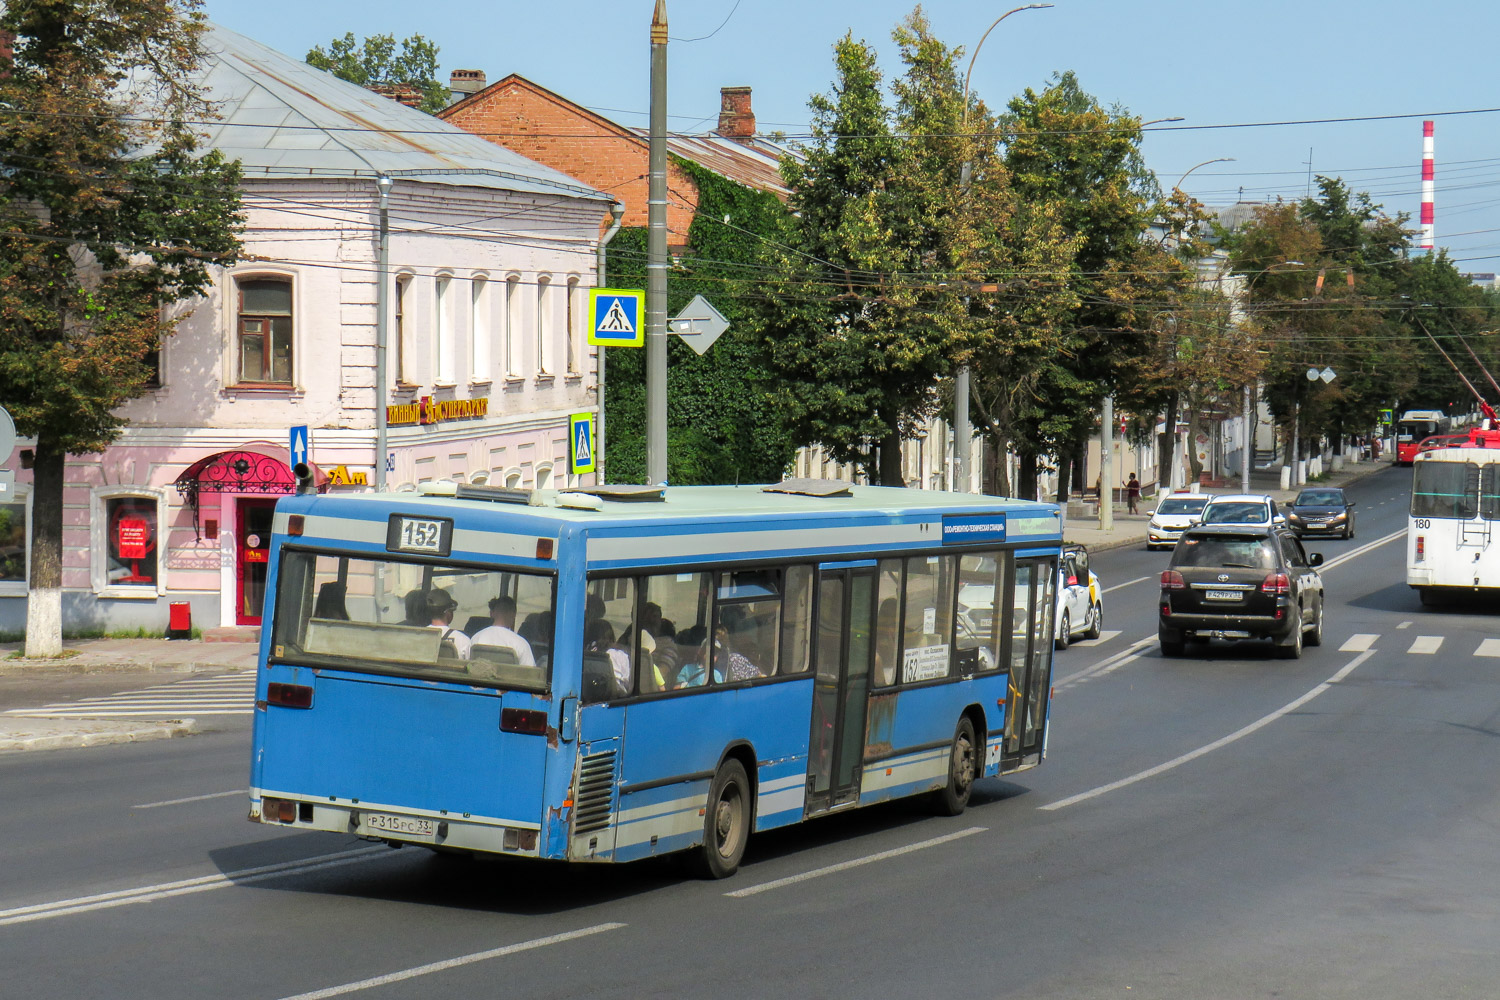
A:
501, 632
440, 608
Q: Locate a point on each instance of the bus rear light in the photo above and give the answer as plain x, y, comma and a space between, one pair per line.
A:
289, 695
1171, 580
278, 810
1276, 583
523, 720
1421, 548
294, 524
544, 548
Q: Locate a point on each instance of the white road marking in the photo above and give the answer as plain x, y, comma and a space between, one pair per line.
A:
1108, 665
1359, 642
1367, 547
1489, 647
1127, 583
164, 890
1426, 644
1216, 744
219, 694
454, 963
855, 863
1404, 625
192, 798
1104, 637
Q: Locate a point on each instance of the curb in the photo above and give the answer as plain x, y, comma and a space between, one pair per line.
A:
74, 666
139, 734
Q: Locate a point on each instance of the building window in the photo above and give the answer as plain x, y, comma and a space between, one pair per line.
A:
544, 477
572, 339
513, 326
447, 336
128, 543
403, 349
265, 330
14, 536
479, 328
544, 337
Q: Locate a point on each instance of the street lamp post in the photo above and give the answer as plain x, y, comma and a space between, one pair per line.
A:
1217, 159
962, 432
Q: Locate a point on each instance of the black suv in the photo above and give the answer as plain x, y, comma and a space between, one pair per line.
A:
1241, 582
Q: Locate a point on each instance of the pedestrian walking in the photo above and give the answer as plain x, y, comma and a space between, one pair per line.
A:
1133, 494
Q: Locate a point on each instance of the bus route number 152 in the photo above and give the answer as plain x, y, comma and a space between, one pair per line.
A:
426, 535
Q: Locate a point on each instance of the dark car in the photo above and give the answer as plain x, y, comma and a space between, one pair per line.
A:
1321, 510
1241, 582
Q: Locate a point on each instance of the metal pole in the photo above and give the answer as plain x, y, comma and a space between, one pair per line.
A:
1248, 446
617, 213
656, 258
1107, 468
1296, 446
382, 328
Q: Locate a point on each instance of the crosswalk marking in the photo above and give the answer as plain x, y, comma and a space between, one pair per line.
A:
1488, 647
1426, 644
219, 694
1359, 642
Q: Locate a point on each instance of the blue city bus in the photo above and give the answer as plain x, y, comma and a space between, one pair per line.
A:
621, 672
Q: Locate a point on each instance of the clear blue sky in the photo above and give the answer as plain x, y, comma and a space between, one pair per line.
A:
1213, 64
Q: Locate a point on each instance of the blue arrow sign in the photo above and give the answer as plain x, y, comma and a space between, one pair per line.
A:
581, 434
298, 447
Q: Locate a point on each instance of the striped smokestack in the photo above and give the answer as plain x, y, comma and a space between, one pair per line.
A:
1427, 186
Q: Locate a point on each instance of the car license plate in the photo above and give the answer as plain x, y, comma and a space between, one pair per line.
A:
1316, 527
412, 826
1222, 595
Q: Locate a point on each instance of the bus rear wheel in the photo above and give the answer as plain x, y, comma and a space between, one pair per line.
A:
726, 823
953, 798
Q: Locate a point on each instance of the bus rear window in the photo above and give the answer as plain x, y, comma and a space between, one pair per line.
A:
488, 627
1445, 489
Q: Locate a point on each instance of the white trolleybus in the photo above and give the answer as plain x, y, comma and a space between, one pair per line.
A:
1451, 543
629, 671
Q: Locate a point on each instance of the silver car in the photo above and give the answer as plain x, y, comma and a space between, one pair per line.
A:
1172, 517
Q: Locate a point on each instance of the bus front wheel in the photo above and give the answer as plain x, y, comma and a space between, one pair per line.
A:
726, 823
953, 798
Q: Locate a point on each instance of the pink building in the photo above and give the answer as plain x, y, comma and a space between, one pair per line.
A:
491, 257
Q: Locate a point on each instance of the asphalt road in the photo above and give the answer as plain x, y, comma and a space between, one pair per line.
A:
1225, 824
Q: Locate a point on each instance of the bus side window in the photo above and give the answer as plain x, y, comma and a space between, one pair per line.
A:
796, 620
608, 631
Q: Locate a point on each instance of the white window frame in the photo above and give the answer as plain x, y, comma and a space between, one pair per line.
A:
99, 542
234, 356
480, 327
545, 337
447, 331
573, 319
19, 588
402, 317
514, 325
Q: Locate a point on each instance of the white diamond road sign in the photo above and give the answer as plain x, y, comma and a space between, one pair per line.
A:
699, 324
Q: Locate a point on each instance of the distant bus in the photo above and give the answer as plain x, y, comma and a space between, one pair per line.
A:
1451, 545
671, 669
1415, 426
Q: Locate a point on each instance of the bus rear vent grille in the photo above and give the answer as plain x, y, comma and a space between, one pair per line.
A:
596, 780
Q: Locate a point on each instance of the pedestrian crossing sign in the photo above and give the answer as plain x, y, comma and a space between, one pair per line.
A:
581, 436
615, 317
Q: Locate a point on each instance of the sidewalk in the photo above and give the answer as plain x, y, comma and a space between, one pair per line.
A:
1130, 529
97, 656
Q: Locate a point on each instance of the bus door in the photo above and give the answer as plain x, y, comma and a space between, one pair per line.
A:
846, 601
1030, 652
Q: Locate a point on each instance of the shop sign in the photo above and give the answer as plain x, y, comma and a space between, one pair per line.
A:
132, 535
340, 475
428, 411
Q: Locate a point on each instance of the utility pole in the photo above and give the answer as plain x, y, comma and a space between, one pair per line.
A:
616, 213
1107, 468
656, 258
1249, 445
382, 329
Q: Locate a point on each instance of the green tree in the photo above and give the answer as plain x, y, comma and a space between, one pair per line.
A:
1078, 165
106, 216
869, 306
375, 62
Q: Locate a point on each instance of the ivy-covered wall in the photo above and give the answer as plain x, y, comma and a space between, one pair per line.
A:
721, 425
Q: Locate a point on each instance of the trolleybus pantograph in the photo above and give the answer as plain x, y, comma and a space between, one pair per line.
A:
622, 672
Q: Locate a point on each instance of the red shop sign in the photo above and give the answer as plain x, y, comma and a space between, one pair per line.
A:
133, 535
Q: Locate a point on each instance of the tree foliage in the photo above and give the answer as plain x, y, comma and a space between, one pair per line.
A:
107, 214
376, 62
